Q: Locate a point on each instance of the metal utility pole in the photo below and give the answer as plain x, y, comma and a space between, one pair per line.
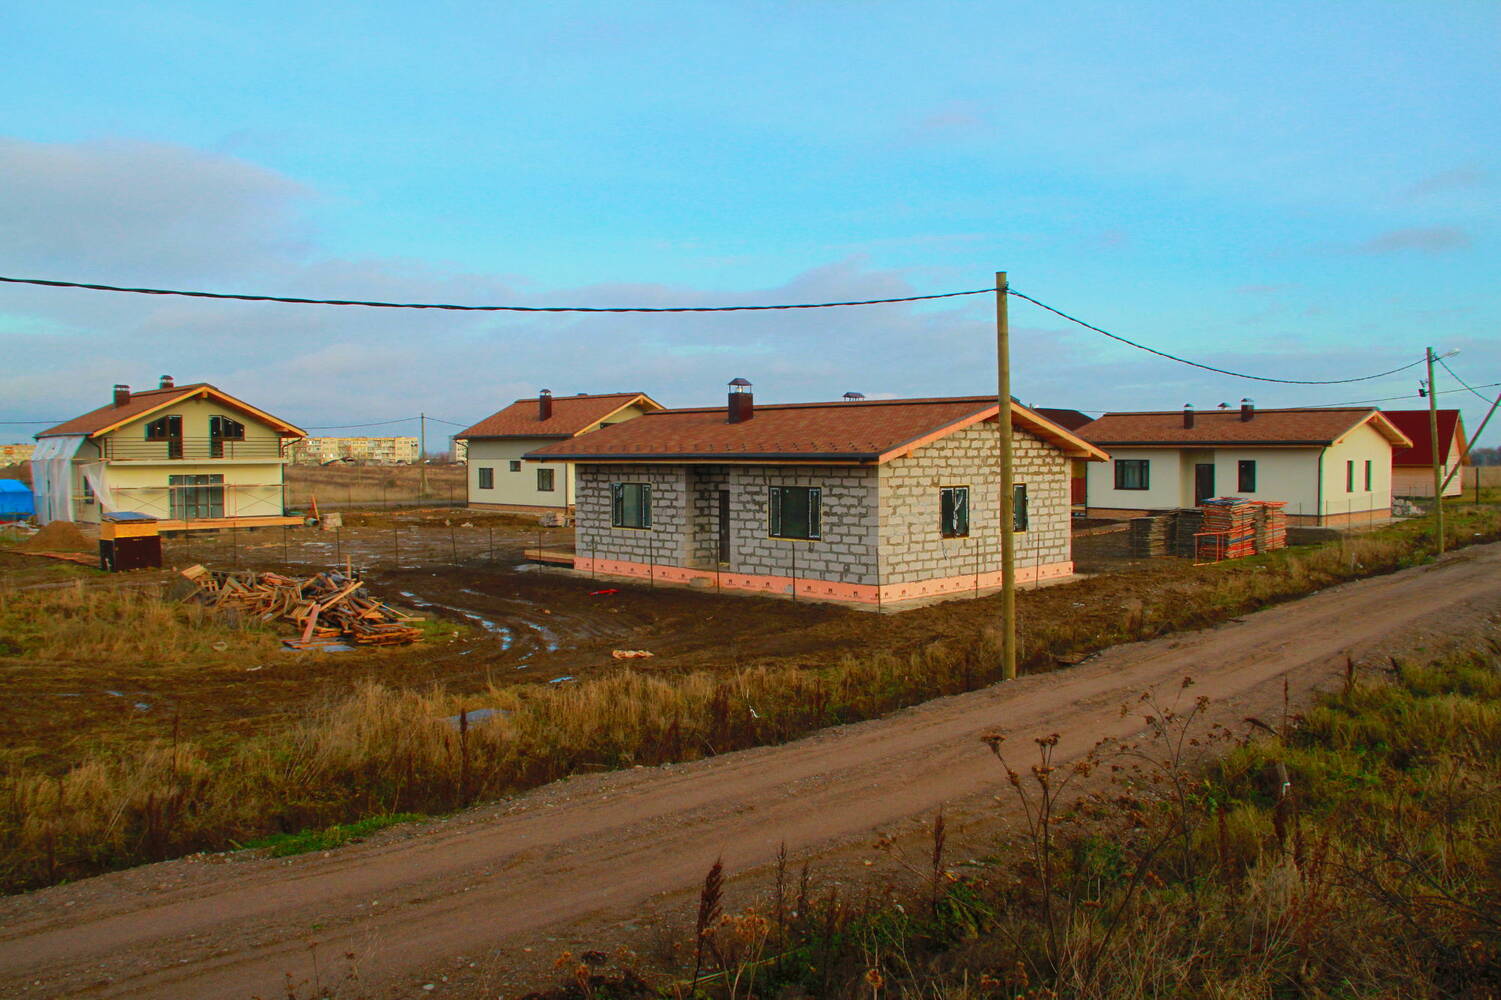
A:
1438, 471
1008, 507
422, 455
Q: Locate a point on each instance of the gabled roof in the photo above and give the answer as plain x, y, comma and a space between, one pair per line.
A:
863, 432
1067, 419
107, 418
570, 415
1307, 427
1414, 423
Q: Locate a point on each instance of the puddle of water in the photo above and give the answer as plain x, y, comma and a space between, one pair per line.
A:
478, 715
560, 680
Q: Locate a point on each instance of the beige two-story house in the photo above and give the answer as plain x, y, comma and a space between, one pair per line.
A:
192, 456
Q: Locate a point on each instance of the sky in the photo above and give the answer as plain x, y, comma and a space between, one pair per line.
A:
1287, 189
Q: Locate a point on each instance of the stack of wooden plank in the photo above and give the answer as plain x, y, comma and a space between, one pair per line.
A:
1271, 525
325, 607
1189, 523
1150, 537
1230, 522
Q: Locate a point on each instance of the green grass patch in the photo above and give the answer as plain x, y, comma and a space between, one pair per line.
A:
284, 845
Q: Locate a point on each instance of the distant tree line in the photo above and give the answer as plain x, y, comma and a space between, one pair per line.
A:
1486, 456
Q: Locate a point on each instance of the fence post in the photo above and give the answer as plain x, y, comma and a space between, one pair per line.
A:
453, 543
284, 558
338, 544
490, 540
396, 542
793, 546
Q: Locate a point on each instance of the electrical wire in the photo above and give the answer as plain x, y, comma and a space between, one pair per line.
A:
1209, 368
1461, 381
340, 427
374, 304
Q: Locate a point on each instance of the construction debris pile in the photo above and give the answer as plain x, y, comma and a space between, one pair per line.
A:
1222, 528
327, 607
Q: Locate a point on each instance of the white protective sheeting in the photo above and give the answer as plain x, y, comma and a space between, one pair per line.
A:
52, 477
97, 474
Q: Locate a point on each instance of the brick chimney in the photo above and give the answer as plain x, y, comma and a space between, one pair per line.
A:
544, 404
1188, 415
167, 383
122, 394
1247, 411
742, 401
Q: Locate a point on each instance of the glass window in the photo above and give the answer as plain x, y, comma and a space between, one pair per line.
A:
1247, 478
515, 465
630, 505
1368, 475
486, 478
1350, 476
953, 511
1019, 507
1132, 473
545, 481
196, 496
794, 512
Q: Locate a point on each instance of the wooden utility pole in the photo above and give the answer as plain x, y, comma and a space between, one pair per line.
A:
1438, 469
1008, 500
1470, 445
421, 455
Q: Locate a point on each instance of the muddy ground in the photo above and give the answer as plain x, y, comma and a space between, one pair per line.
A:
519, 624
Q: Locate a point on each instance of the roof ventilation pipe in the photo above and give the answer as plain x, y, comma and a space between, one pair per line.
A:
742, 401
1247, 411
167, 383
853, 397
122, 394
1188, 415
544, 404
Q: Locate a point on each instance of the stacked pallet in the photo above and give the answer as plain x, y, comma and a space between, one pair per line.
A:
1271, 525
1229, 529
1190, 522
1150, 537
325, 607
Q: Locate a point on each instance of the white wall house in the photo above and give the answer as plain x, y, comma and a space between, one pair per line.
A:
192, 456
1330, 466
499, 477
1412, 468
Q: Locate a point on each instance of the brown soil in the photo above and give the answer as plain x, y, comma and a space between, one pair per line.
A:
481, 903
59, 536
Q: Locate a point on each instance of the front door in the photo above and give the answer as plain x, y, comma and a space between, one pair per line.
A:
724, 526
1203, 482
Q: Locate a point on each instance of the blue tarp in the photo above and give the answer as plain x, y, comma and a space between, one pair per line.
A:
15, 499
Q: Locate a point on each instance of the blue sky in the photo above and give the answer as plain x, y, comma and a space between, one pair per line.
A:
1302, 190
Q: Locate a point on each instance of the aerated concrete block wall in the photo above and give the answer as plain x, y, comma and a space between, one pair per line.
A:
912, 544
669, 539
847, 550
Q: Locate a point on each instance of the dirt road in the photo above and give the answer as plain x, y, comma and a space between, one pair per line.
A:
591, 852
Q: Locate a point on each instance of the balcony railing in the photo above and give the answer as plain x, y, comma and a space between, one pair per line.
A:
189, 449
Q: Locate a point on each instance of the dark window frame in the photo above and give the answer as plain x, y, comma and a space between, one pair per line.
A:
485, 477
777, 511
621, 508
547, 481
953, 511
1141, 466
1245, 476
1368, 475
1350, 476
515, 465
1020, 516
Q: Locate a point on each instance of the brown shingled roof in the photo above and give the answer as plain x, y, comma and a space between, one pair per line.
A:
108, 417
1308, 427
1414, 423
868, 431
570, 416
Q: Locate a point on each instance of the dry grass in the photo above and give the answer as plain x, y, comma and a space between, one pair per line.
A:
382, 751
342, 487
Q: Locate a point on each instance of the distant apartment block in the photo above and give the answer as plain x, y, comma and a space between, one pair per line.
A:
460, 451
15, 454
369, 450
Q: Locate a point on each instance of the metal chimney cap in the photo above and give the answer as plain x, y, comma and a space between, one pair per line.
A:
852, 396
740, 382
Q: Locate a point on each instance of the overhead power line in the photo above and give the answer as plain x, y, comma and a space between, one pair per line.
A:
374, 304
1211, 368
1462, 382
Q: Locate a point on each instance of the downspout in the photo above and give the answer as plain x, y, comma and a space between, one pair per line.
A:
1320, 521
